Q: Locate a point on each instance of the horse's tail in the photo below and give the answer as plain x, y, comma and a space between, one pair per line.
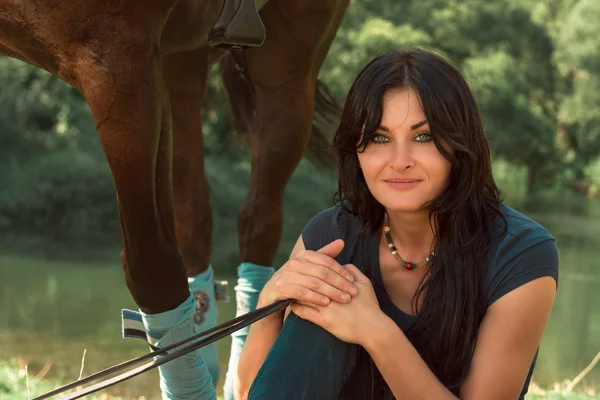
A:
242, 100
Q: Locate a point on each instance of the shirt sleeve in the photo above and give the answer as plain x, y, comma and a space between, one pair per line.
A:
323, 228
537, 261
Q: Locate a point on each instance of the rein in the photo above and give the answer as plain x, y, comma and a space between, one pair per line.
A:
216, 333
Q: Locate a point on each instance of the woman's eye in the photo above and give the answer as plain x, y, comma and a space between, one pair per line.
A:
378, 139
423, 137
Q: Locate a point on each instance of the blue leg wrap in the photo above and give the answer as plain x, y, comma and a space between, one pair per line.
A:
187, 377
205, 317
251, 280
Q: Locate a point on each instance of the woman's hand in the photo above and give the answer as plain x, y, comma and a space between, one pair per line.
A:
312, 277
351, 322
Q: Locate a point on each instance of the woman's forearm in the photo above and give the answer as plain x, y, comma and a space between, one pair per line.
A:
261, 337
405, 372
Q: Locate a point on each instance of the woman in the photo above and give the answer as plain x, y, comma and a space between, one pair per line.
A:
419, 283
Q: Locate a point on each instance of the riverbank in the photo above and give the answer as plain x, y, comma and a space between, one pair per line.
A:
16, 383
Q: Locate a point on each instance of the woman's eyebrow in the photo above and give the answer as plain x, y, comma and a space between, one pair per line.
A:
412, 128
418, 125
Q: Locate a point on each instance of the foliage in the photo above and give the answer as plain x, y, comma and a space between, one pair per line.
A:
60, 189
533, 67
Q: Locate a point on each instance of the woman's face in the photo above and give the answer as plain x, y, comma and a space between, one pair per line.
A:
402, 167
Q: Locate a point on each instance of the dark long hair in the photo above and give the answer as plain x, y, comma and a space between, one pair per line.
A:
462, 217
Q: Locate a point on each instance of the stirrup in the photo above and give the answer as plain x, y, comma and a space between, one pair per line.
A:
237, 28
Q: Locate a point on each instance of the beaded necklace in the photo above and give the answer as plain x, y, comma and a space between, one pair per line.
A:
388, 237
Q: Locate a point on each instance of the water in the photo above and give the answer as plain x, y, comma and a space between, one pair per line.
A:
58, 299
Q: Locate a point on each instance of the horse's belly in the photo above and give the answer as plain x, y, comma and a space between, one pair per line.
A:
189, 23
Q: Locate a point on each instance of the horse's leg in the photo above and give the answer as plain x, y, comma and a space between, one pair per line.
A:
129, 101
284, 72
127, 97
185, 74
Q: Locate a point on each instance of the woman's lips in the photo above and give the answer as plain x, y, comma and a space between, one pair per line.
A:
402, 184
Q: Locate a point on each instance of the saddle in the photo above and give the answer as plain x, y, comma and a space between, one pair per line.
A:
237, 28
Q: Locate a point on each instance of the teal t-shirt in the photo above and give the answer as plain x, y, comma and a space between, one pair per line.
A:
306, 362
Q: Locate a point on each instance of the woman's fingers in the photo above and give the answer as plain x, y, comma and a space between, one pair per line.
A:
358, 275
306, 295
308, 288
332, 249
313, 277
326, 257
306, 312
313, 257
328, 271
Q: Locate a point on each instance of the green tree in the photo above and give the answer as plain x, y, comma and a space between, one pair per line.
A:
534, 68
579, 111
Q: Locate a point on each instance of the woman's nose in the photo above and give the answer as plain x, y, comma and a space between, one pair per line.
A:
401, 157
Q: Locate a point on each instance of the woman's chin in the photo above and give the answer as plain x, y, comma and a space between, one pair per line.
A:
405, 207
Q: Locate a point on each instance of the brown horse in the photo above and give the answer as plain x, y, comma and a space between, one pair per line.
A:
142, 67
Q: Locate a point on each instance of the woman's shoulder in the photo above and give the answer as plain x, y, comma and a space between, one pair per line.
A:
519, 226
336, 222
516, 233
522, 250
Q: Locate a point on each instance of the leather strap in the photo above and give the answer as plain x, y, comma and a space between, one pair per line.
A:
216, 333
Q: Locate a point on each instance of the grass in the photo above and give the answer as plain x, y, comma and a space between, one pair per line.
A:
560, 391
17, 384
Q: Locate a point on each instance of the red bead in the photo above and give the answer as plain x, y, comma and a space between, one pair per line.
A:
409, 265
